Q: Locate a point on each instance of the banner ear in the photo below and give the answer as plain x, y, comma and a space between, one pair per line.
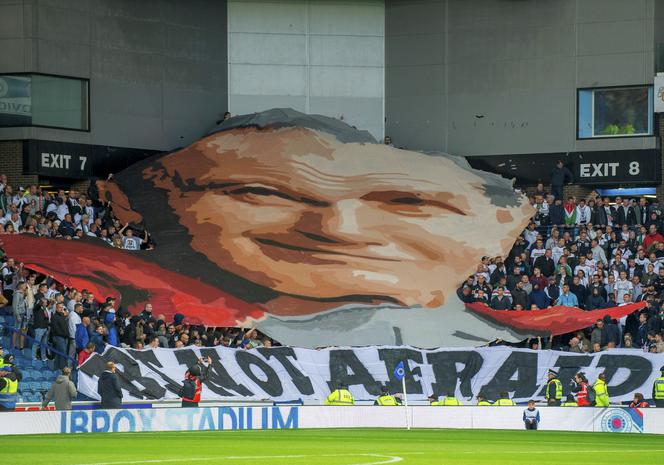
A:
110, 193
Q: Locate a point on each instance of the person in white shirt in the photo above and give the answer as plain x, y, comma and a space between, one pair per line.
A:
623, 250
583, 266
89, 210
623, 286
558, 250
624, 233
129, 241
61, 210
591, 263
537, 251
582, 213
530, 234
640, 258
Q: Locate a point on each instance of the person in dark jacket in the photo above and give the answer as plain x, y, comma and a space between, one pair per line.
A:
557, 212
560, 176
611, 333
108, 388
97, 338
60, 333
546, 264
193, 383
465, 294
519, 296
41, 322
595, 300
501, 301
538, 297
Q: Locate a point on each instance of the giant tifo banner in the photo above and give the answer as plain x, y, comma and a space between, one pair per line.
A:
610, 420
310, 229
289, 374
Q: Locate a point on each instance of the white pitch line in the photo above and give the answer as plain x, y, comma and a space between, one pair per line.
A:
558, 451
390, 459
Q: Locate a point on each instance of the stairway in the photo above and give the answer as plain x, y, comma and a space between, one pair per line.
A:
37, 375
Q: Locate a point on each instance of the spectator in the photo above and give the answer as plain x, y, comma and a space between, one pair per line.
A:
625, 213
575, 345
60, 333
42, 320
610, 333
567, 298
597, 334
652, 237
66, 227
539, 298
86, 353
559, 177
519, 296
557, 212
641, 334
82, 337
131, 242
583, 213
109, 389
623, 286
62, 392
595, 299
98, 338
545, 264
21, 315
500, 301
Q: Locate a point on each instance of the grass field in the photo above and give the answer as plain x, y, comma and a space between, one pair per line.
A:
335, 447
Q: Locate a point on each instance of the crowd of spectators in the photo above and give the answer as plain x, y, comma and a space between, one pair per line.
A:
65, 214
589, 253
72, 321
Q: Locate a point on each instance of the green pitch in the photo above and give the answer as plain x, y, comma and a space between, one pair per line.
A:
334, 447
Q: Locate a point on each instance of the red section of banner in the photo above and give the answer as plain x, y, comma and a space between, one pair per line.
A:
553, 320
105, 271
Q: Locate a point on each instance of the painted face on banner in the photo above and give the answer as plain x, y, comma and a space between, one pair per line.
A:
297, 211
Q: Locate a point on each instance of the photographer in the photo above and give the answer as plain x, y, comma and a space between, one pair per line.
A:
192, 385
585, 395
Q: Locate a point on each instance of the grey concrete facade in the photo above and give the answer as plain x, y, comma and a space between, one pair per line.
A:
487, 77
315, 56
157, 68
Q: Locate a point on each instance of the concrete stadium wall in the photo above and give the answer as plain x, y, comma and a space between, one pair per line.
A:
616, 420
500, 77
157, 68
316, 56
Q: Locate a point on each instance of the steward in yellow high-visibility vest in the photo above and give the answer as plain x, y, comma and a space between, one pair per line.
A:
340, 396
9, 390
504, 400
658, 390
554, 389
570, 402
386, 399
481, 400
433, 400
601, 391
450, 400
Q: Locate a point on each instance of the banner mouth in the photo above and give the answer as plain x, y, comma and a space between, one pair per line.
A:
552, 321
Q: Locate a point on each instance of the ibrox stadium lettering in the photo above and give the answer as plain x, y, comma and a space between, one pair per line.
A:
288, 374
187, 419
